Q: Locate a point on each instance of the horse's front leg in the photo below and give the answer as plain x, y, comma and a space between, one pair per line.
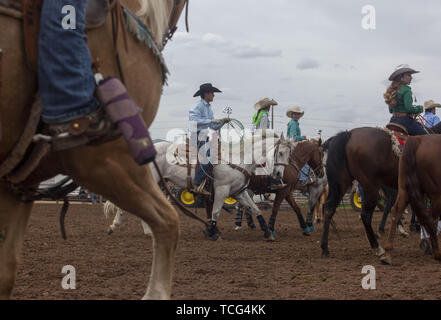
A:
132, 188
220, 194
14, 217
245, 200
396, 212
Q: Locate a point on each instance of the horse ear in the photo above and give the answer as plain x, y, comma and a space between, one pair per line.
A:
282, 137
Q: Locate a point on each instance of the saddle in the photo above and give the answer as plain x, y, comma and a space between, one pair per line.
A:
30, 11
399, 131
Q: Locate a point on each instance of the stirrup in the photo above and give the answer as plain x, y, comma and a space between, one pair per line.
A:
278, 186
94, 128
200, 189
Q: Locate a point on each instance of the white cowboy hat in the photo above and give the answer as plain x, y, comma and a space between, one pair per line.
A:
295, 109
431, 104
265, 102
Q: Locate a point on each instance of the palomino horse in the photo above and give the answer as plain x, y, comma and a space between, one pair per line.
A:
107, 169
289, 158
419, 177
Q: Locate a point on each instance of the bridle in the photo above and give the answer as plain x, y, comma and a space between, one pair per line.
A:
118, 10
318, 171
174, 18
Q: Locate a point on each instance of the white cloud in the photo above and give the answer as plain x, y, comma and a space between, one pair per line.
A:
307, 63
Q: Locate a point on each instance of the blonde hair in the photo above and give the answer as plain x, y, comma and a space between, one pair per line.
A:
390, 97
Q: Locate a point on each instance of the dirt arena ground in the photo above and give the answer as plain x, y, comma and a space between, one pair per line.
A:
240, 266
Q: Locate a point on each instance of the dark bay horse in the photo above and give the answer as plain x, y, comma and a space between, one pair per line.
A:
365, 155
419, 177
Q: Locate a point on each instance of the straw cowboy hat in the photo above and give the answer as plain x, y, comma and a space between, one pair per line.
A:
295, 109
400, 70
265, 102
206, 88
431, 104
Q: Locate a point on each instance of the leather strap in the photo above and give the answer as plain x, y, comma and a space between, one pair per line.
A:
399, 114
31, 28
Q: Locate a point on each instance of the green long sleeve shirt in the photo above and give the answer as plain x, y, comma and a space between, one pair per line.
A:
405, 102
294, 130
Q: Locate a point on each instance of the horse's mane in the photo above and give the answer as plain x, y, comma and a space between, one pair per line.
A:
155, 15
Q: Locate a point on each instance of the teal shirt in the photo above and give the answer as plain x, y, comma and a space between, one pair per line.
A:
294, 130
405, 102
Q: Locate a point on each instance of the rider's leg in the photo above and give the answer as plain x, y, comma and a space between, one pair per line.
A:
304, 174
66, 80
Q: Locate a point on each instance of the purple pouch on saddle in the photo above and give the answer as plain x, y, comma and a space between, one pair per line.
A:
126, 114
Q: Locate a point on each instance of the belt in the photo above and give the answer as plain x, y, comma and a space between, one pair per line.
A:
400, 114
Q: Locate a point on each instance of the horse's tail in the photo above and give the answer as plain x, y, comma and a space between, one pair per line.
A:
336, 164
409, 166
109, 207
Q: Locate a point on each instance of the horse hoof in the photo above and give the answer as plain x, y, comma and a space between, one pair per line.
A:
325, 254
387, 260
269, 235
237, 228
272, 236
379, 251
252, 227
109, 232
214, 237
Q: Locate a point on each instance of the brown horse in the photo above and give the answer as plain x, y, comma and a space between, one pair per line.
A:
289, 158
107, 169
365, 155
419, 176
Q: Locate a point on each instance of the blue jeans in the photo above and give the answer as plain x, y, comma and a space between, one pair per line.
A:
65, 77
413, 127
202, 169
304, 173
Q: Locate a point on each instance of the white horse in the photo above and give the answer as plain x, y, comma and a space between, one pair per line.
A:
228, 180
109, 207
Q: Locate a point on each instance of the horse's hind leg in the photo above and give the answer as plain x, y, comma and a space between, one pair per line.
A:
433, 228
371, 200
293, 204
116, 221
14, 217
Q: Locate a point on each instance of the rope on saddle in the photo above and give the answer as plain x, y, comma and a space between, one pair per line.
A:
179, 204
394, 141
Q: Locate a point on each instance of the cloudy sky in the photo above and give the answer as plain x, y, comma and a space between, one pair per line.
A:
314, 54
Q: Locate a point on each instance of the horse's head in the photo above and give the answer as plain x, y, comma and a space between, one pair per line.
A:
282, 153
316, 156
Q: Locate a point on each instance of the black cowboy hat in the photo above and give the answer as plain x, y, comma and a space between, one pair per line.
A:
400, 71
206, 88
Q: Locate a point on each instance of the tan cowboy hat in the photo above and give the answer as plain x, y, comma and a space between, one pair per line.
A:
295, 109
431, 104
265, 102
400, 70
